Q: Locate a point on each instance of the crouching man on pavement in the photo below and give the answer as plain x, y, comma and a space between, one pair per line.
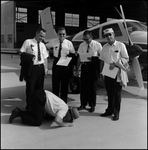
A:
45, 104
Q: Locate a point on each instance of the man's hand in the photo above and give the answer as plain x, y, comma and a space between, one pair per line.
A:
112, 66
89, 58
124, 67
60, 122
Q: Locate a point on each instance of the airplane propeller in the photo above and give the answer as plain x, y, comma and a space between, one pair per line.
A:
135, 62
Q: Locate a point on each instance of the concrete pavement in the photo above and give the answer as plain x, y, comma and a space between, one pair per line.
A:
90, 131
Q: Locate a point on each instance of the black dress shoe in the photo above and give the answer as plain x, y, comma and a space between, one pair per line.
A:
92, 109
15, 113
106, 114
115, 118
81, 107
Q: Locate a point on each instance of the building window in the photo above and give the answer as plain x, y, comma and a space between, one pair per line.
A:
92, 21
9, 38
71, 20
21, 15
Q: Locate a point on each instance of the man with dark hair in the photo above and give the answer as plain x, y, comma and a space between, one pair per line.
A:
89, 70
33, 51
45, 102
61, 74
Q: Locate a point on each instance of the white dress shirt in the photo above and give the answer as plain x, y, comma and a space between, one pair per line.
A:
94, 48
31, 45
55, 105
67, 47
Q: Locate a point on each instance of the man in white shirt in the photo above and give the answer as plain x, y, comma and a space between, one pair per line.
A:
44, 101
36, 48
113, 53
61, 74
89, 70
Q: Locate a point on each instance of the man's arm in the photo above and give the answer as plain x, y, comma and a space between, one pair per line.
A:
101, 68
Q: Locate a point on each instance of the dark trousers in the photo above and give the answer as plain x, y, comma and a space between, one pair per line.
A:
35, 116
60, 80
88, 85
35, 82
113, 89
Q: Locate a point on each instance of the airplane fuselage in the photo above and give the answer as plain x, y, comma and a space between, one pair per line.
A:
136, 30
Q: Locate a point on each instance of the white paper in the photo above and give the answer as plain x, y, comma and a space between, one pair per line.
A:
84, 57
64, 61
110, 73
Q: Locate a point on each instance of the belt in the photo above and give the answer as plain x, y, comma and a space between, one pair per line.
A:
37, 65
85, 63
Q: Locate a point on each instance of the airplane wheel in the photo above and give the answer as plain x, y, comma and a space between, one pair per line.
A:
75, 85
144, 74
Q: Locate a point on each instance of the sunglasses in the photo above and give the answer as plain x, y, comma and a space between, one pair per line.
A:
109, 34
61, 33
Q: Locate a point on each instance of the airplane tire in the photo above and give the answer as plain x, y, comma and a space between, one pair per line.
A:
144, 74
75, 85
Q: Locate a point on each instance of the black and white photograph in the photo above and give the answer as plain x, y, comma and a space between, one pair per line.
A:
74, 74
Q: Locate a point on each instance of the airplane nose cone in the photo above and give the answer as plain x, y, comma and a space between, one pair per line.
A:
134, 50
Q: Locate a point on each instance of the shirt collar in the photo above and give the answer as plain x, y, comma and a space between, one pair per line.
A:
35, 40
114, 44
62, 41
89, 43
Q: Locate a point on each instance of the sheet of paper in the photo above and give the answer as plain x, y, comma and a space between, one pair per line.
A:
64, 61
110, 73
84, 57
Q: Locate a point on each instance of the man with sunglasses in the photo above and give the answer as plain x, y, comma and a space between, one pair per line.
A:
61, 74
89, 71
112, 53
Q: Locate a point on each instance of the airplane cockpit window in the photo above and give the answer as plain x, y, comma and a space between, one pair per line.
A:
135, 26
95, 33
115, 27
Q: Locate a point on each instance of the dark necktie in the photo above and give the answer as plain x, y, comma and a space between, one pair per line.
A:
60, 47
39, 53
87, 48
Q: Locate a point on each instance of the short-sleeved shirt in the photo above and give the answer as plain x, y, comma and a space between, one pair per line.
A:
67, 47
31, 45
54, 105
111, 53
94, 48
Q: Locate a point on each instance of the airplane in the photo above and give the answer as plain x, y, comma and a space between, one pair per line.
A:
131, 32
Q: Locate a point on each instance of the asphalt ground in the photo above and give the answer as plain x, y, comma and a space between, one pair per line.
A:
90, 130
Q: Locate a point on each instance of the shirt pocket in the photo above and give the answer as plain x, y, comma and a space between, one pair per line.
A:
116, 55
56, 50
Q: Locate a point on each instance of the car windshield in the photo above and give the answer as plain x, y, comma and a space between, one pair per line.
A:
135, 26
